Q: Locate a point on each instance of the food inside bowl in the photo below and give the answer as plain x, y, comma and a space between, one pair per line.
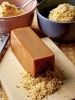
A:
8, 9
62, 13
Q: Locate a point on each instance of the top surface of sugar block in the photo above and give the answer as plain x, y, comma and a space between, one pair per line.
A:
32, 43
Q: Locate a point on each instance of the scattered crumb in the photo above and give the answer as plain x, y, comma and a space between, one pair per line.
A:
3, 96
42, 86
58, 93
64, 96
17, 86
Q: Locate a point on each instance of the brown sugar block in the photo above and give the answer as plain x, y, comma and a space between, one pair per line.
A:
31, 51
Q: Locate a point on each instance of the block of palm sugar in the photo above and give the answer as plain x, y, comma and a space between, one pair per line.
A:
31, 51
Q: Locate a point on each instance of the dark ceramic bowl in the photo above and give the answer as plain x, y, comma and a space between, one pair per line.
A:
51, 28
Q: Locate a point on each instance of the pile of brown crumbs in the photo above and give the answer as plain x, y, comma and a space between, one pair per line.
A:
42, 86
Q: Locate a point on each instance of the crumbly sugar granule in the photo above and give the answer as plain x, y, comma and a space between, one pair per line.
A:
42, 86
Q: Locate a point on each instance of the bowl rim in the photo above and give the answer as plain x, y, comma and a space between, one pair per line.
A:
25, 13
53, 20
